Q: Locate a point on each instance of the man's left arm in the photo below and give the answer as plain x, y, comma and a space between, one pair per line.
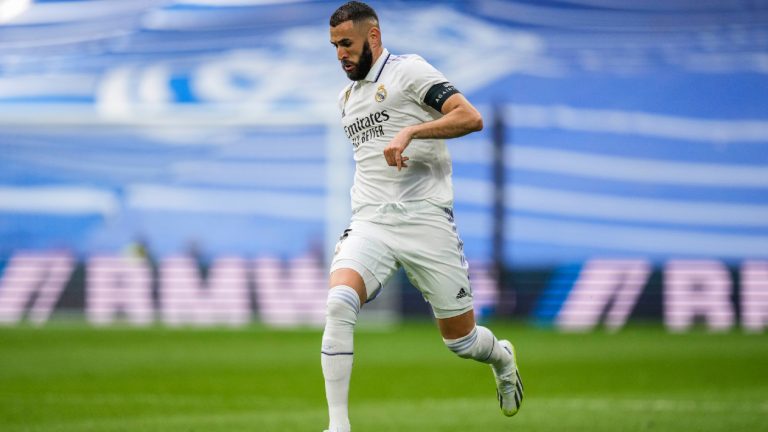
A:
459, 118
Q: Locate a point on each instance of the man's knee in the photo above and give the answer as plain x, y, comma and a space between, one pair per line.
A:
343, 305
349, 278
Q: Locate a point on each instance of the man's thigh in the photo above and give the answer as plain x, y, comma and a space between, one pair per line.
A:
363, 248
433, 256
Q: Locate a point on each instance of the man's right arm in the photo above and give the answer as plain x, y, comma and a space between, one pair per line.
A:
459, 118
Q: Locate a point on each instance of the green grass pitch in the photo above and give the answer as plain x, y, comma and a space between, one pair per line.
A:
74, 378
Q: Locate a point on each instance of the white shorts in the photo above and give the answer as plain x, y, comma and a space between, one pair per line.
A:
419, 236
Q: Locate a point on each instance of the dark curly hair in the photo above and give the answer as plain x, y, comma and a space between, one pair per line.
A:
355, 11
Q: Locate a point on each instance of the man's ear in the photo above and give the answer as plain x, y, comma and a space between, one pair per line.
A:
374, 37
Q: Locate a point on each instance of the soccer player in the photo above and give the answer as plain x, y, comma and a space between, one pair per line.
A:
396, 113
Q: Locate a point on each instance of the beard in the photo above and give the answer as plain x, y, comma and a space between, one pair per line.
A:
363, 66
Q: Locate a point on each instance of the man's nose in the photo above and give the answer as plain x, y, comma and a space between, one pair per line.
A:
342, 53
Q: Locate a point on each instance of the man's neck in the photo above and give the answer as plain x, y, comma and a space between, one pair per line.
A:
377, 53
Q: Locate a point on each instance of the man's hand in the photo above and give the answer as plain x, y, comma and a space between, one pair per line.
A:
459, 118
393, 153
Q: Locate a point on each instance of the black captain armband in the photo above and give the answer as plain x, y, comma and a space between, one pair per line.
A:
438, 94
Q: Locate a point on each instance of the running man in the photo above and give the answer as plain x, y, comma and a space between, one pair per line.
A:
396, 112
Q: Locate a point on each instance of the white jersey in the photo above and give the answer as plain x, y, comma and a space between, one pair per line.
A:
376, 108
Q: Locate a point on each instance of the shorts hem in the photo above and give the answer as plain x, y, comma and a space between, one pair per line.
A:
450, 313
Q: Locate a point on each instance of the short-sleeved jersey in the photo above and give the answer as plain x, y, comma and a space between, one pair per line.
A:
374, 109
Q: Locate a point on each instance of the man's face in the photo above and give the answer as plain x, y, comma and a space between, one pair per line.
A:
352, 49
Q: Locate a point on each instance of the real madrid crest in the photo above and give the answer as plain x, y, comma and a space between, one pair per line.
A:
381, 93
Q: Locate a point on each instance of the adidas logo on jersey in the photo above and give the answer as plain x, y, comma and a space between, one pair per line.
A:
462, 293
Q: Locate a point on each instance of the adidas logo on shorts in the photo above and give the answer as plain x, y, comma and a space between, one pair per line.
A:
462, 293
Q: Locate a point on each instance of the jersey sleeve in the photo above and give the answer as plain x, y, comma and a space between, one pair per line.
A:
420, 77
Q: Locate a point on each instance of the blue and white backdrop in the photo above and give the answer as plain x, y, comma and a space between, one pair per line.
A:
180, 161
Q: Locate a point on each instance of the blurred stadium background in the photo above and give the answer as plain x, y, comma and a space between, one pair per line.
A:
179, 163
622, 173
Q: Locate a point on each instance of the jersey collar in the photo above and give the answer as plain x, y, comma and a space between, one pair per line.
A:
375, 72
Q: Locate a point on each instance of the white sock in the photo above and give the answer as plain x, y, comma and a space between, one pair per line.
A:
337, 351
481, 345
